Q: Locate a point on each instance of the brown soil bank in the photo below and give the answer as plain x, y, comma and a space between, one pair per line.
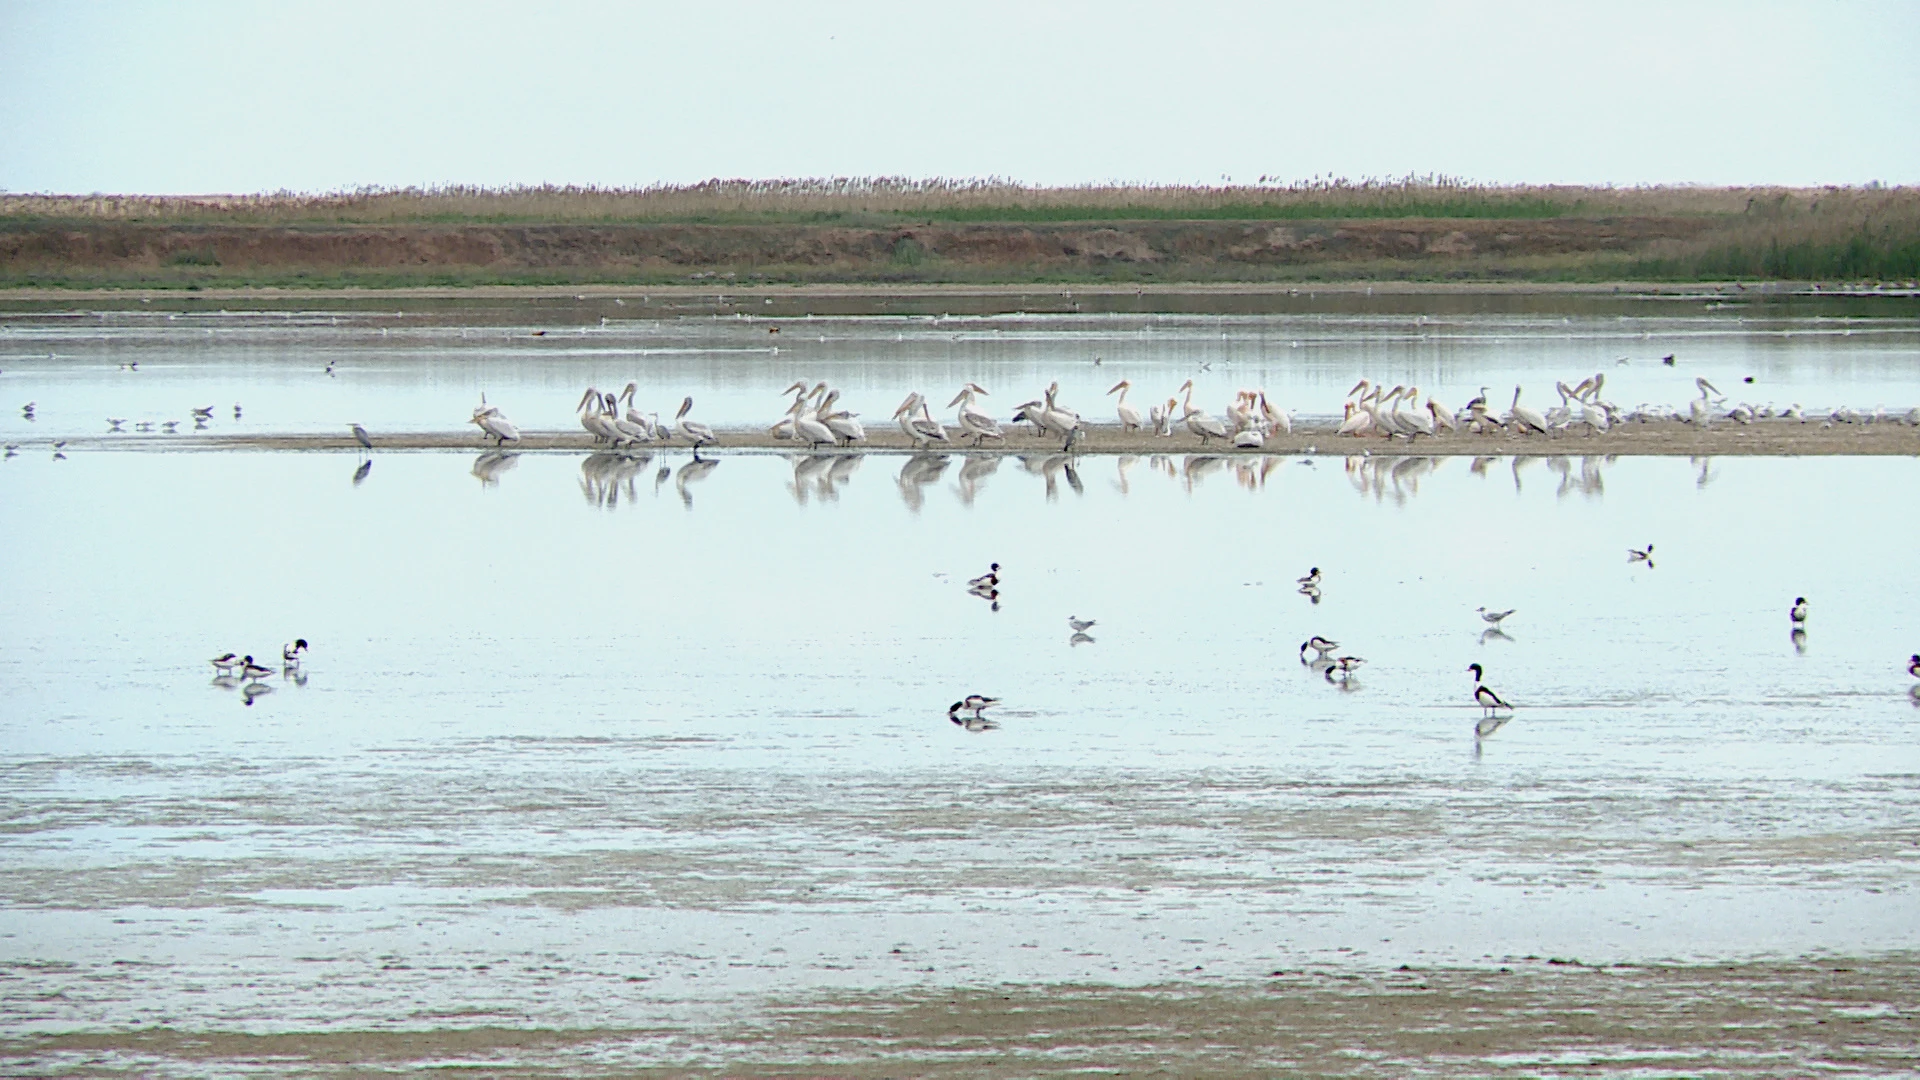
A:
1206, 250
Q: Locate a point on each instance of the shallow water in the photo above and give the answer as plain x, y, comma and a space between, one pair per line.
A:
421, 367
580, 736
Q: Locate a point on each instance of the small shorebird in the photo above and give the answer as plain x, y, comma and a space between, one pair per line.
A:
1798, 612
225, 664
1493, 617
1913, 666
987, 580
290, 654
1345, 665
1484, 695
1319, 645
1080, 626
975, 702
254, 671
1640, 555
1312, 580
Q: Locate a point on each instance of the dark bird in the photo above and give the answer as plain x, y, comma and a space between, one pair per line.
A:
360, 436
1798, 612
1667, 359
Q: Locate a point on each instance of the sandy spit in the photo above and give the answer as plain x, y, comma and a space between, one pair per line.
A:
1775, 438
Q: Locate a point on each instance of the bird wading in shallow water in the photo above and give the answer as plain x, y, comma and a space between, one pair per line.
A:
1913, 666
1493, 617
1798, 612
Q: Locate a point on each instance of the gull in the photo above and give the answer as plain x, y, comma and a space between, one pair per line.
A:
204, 413
1080, 626
1798, 612
1493, 617
114, 425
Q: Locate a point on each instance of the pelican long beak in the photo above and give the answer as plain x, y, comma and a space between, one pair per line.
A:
959, 397
1188, 385
797, 388
1359, 386
1121, 385
1709, 386
905, 405
685, 408
978, 389
592, 394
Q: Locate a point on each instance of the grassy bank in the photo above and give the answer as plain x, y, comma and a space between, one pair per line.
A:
896, 231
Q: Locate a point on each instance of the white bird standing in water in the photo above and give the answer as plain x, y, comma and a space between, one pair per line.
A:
1798, 612
1493, 617
1080, 626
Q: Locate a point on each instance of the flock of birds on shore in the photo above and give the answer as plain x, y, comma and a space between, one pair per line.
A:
815, 418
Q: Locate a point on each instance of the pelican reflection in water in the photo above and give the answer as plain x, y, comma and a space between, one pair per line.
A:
916, 473
974, 470
692, 472
605, 477
488, 466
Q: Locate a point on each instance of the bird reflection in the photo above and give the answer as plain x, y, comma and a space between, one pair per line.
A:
1520, 461
691, 472
975, 469
915, 474
225, 682
1479, 466
253, 690
360, 473
1707, 472
808, 472
1251, 472
1196, 467
1799, 639
1080, 637
488, 466
1914, 693
1494, 633
606, 477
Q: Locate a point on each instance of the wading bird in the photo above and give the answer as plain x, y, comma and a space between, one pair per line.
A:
1080, 626
1493, 617
987, 580
1798, 612
1321, 646
360, 436
225, 664
1311, 581
690, 430
290, 654
1483, 695
1644, 555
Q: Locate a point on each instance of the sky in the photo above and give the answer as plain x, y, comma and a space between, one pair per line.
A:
199, 96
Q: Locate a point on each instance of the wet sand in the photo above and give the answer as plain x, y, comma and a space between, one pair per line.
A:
1525, 1017
1765, 438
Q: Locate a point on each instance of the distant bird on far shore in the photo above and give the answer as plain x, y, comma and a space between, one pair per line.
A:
360, 436
1667, 359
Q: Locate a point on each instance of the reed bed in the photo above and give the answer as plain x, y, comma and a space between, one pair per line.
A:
868, 199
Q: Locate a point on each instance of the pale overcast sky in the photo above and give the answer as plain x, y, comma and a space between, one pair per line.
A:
190, 96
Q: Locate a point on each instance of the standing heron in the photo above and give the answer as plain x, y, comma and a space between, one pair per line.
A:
360, 436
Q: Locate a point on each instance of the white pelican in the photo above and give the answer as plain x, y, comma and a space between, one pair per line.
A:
1798, 612
841, 423
1493, 617
1312, 580
1641, 555
690, 430
1161, 417
290, 654
225, 664
635, 416
1129, 416
1525, 416
1054, 417
1250, 437
1240, 413
1319, 645
1484, 695
491, 421
810, 429
924, 430
974, 420
1358, 422
592, 417
1198, 422
1418, 422
627, 431
784, 429
987, 580
1080, 626
1276, 420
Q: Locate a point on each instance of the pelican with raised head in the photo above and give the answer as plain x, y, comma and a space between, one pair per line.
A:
691, 430
1129, 416
1525, 417
1197, 420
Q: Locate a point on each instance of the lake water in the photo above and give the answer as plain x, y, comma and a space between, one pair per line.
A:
579, 739
654, 738
421, 367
